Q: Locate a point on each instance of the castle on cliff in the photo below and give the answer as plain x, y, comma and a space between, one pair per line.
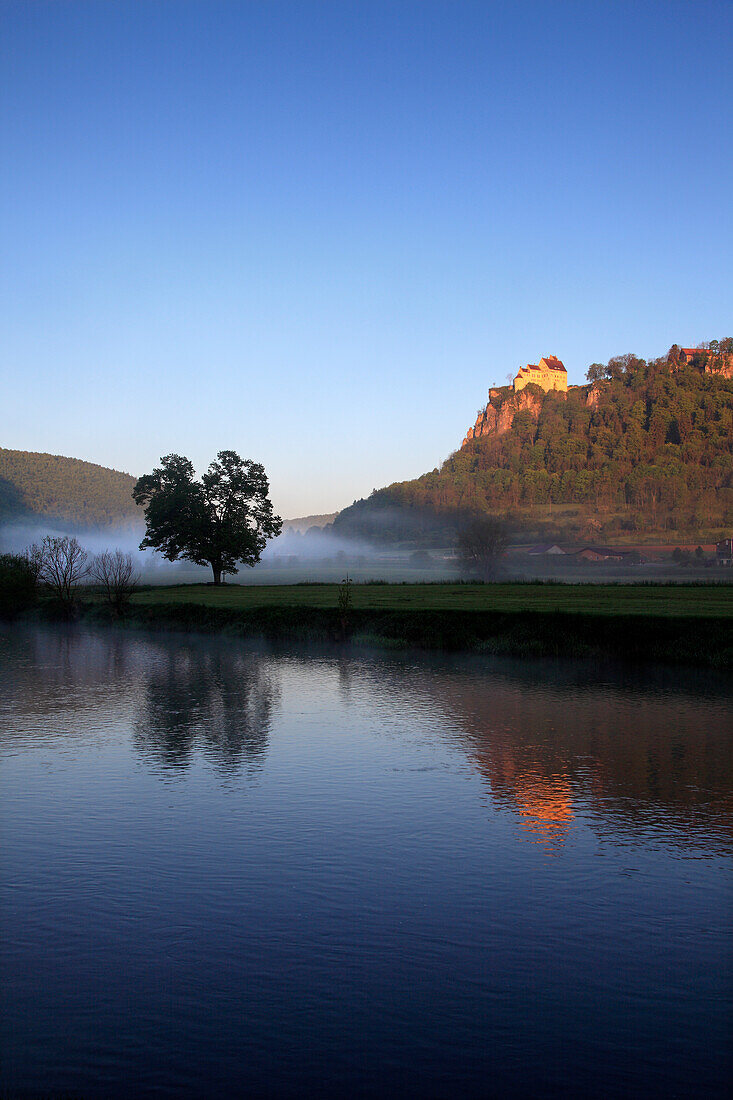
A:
549, 373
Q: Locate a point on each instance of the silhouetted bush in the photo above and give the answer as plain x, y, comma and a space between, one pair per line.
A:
17, 585
115, 572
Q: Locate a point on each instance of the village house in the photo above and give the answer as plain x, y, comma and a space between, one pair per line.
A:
547, 548
724, 552
604, 553
549, 373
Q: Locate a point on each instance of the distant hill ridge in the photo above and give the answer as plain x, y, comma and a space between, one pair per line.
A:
53, 488
304, 523
645, 447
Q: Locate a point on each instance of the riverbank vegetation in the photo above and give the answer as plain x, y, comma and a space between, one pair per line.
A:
673, 624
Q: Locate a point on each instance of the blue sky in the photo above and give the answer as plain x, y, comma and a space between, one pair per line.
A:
317, 233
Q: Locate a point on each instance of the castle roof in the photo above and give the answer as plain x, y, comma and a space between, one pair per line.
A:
553, 362
696, 351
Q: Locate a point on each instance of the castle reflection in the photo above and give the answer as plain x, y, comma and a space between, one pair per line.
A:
632, 752
546, 807
637, 754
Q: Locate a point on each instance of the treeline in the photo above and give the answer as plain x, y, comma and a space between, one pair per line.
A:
646, 447
66, 490
58, 565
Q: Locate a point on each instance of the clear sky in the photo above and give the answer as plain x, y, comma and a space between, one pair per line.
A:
316, 233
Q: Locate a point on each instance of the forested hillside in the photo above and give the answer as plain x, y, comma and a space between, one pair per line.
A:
645, 448
66, 490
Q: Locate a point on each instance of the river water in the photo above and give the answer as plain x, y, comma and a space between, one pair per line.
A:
232, 871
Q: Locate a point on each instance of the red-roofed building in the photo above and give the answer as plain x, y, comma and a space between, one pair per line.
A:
549, 373
688, 354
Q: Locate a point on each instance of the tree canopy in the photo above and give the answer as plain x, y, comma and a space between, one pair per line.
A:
64, 490
481, 543
222, 520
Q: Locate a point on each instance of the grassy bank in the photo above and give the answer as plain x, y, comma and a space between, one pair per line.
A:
689, 625
689, 601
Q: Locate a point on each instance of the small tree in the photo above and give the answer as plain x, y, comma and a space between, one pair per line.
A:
344, 603
61, 564
115, 572
222, 520
596, 372
481, 545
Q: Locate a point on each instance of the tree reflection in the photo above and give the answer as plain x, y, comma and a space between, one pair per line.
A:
207, 699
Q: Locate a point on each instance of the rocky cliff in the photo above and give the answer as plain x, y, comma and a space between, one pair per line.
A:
503, 405
721, 365
646, 446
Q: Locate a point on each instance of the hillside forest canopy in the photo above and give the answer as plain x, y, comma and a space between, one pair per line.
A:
65, 491
645, 449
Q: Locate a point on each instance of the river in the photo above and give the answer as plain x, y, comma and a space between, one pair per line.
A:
228, 870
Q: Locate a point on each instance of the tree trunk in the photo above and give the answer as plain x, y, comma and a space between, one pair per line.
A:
217, 574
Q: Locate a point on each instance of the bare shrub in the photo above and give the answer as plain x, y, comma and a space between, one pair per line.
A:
61, 565
115, 572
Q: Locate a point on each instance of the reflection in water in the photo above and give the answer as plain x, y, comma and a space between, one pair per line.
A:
376, 916
633, 752
636, 751
547, 809
209, 698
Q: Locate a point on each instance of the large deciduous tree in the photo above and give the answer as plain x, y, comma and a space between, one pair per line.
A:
223, 520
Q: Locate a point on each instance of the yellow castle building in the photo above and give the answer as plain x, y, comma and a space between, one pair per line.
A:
549, 373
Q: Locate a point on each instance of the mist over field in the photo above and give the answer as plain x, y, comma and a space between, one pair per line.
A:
322, 556
292, 557
153, 568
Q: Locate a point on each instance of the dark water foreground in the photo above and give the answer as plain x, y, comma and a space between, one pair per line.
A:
233, 872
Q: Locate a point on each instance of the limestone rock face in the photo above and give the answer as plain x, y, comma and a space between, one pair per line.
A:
722, 365
498, 419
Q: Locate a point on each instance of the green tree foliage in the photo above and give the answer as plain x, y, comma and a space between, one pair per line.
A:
222, 520
66, 490
17, 584
645, 447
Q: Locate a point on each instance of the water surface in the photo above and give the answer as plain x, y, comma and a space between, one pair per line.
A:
229, 871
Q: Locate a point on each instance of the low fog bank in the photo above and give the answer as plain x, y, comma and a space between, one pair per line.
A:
294, 557
322, 555
153, 567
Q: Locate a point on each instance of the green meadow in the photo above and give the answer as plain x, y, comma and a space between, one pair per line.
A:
673, 600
